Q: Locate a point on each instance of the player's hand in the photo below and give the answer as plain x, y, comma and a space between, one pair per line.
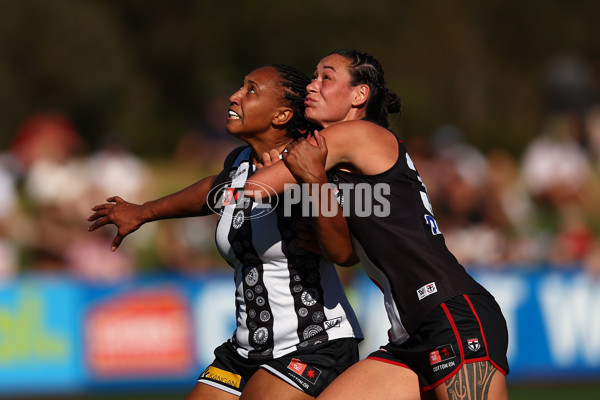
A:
124, 215
268, 159
306, 158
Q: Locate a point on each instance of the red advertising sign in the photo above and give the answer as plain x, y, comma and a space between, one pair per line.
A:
144, 332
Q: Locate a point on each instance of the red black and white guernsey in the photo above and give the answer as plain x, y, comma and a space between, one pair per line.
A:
399, 243
286, 297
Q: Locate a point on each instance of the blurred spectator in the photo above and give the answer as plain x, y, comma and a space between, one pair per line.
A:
460, 202
573, 240
46, 135
592, 126
114, 169
8, 205
555, 167
60, 182
45, 147
463, 171
498, 211
187, 245
495, 210
591, 263
559, 176
88, 258
57, 187
510, 207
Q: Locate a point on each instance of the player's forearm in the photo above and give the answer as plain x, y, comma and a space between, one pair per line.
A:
330, 226
335, 240
189, 202
268, 181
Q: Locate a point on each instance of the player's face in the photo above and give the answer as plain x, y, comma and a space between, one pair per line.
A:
330, 94
254, 105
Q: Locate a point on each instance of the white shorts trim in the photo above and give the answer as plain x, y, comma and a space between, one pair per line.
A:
221, 387
282, 377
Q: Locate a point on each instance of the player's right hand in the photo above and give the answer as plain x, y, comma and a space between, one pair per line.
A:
124, 215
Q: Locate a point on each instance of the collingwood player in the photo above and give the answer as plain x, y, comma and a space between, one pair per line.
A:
295, 331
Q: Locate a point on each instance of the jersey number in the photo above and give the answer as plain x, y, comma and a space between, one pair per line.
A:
425, 199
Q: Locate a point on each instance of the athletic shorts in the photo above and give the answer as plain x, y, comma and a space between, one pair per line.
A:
310, 369
464, 329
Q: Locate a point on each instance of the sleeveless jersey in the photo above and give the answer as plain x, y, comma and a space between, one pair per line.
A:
286, 297
399, 243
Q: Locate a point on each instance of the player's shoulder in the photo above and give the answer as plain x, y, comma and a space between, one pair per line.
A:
230, 159
355, 128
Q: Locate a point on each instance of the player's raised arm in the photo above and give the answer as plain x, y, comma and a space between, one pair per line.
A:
129, 217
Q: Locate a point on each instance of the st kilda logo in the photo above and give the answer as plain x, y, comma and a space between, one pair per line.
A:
473, 344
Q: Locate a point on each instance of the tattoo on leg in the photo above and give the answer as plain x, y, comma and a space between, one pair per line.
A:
472, 382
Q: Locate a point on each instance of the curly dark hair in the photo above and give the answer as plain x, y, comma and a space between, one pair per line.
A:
294, 83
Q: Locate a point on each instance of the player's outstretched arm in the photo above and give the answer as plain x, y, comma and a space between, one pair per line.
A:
129, 217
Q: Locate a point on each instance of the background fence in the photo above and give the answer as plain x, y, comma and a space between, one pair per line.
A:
67, 337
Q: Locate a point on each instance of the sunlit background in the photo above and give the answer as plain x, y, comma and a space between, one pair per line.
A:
501, 115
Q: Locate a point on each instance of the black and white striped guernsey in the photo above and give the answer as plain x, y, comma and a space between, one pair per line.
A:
286, 297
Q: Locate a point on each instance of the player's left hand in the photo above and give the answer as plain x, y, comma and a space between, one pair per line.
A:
268, 159
305, 158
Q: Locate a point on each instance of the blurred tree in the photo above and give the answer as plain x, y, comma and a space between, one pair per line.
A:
147, 69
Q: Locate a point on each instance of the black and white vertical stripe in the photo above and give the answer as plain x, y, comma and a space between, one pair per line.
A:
286, 297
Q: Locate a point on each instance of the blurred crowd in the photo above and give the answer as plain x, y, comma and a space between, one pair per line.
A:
49, 181
496, 210
539, 210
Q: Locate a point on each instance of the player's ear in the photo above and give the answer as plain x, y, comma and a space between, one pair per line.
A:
361, 94
283, 116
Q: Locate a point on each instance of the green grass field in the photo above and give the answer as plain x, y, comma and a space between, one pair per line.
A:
584, 391
587, 391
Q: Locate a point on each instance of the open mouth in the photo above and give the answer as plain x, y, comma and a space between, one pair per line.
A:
233, 115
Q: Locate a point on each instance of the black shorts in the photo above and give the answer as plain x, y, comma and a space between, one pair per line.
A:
464, 329
310, 369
